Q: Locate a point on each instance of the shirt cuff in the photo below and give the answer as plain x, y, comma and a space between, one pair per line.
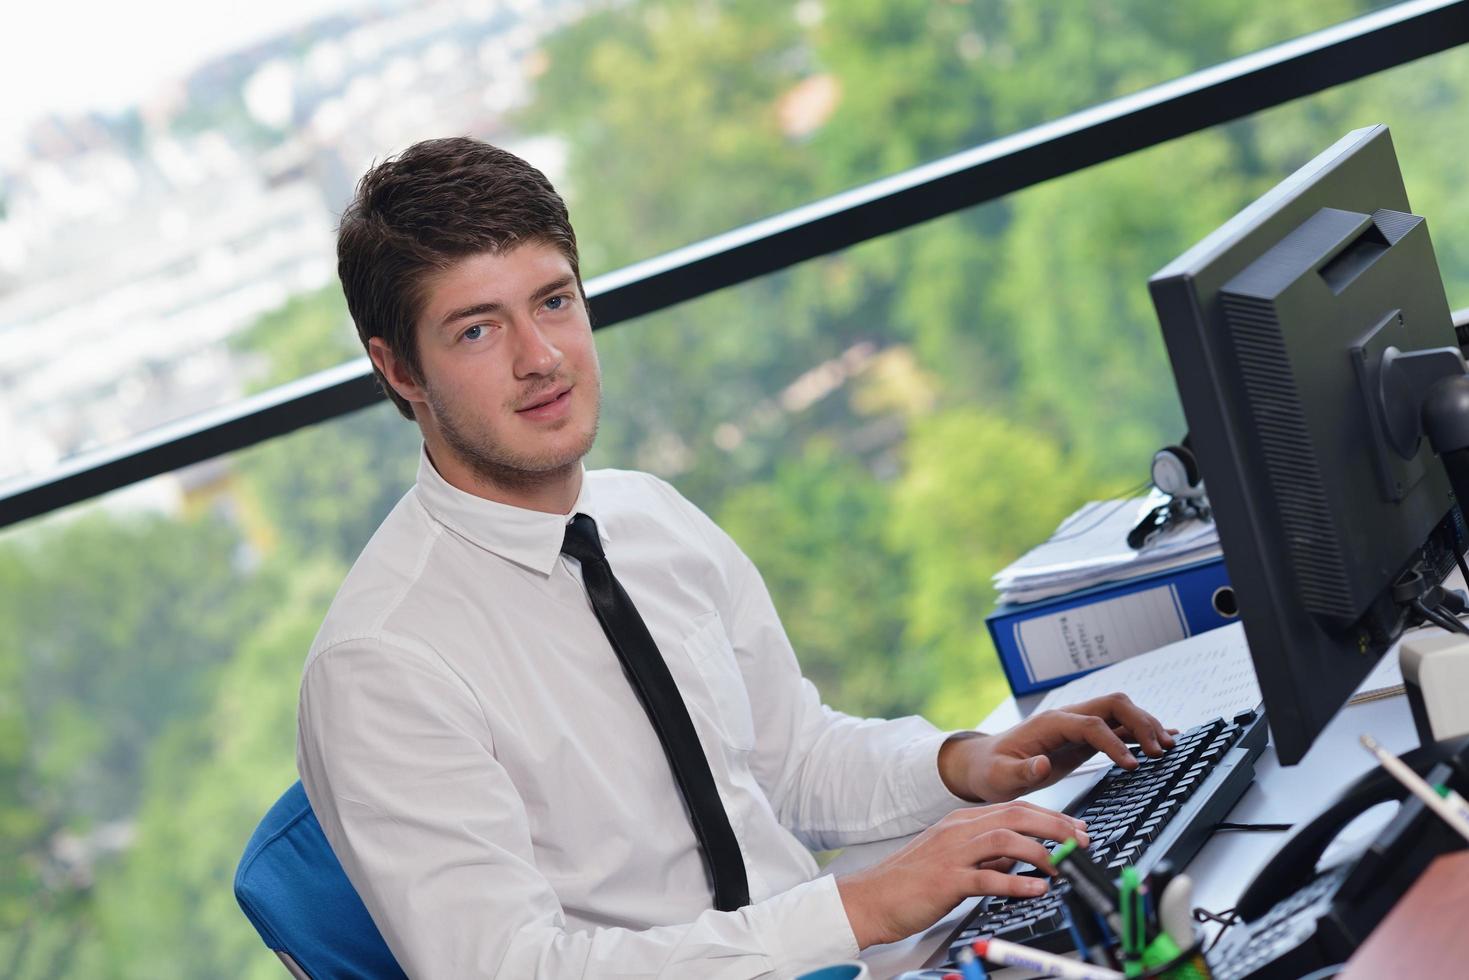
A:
805, 927
931, 799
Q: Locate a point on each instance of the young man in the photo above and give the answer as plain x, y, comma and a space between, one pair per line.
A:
552, 725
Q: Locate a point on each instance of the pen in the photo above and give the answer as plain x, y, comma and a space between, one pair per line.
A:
1013, 954
1089, 882
1453, 799
969, 965
1453, 815
1086, 930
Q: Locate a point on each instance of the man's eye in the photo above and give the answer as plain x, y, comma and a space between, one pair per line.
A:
555, 302
474, 333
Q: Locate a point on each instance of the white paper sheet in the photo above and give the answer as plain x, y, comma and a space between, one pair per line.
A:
1090, 547
1183, 684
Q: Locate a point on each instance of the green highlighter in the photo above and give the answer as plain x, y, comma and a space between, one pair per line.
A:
1134, 922
1140, 953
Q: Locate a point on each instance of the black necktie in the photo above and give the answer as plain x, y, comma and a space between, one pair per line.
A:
654, 686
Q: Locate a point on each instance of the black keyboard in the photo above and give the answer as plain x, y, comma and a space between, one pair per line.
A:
1163, 810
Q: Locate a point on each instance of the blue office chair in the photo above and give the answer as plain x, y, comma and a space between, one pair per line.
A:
295, 893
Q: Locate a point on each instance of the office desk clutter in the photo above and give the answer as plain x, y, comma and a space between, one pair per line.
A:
1141, 823
1086, 598
1090, 548
1327, 396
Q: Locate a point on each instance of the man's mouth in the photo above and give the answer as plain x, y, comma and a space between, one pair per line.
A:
544, 400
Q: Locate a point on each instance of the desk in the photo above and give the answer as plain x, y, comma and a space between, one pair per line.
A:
1424, 933
1229, 861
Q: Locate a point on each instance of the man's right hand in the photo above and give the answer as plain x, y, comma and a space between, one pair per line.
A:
966, 853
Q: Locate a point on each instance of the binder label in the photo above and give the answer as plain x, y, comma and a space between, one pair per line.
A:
1101, 633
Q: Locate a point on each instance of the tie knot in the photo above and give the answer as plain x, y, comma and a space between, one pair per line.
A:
581, 541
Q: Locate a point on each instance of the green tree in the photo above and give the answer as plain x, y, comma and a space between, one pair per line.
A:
1073, 282
815, 533
977, 491
308, 333
112, 626
325, 489
169, 909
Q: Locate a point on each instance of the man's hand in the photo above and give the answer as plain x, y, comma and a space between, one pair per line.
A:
966, 853
1046, 746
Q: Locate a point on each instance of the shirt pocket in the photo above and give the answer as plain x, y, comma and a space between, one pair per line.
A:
709, 649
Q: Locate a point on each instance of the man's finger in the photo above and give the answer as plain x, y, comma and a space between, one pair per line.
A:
1076, 822
1139, 725
1091, 730
1027, 805
1148, 731
985, 882
1031, 821
1011, 777
1007, 843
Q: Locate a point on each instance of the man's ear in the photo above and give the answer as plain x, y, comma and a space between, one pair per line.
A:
396, 371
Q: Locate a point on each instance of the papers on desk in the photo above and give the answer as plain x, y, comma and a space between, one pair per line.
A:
1385, 681
1202, 677
1184, 684
1090, 547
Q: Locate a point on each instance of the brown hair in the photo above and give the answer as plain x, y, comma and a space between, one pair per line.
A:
417, 214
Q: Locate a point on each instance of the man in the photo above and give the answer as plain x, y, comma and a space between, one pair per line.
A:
493, 759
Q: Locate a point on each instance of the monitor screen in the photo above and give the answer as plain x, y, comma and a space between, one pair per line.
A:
1278, 326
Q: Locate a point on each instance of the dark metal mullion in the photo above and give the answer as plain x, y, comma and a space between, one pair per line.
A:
1114, 129
1230, 91
316, 398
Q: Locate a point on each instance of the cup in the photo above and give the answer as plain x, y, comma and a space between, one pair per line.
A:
850, 970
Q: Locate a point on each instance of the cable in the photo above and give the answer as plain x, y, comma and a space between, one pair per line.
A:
1263, 827
1122, 501
1224, 919
1453, 622
1433, 616
1439, 618
1463, 568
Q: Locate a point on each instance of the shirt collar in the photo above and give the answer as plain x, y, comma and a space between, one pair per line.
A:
530, 538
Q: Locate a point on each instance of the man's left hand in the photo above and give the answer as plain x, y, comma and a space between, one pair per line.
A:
1046, 746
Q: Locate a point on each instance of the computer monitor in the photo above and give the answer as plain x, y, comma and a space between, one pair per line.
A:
1304, 335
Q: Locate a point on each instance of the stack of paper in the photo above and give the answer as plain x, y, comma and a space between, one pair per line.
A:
1202, 677
1090, 547
1182, 685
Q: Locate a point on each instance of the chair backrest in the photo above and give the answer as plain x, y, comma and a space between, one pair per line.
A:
297, 896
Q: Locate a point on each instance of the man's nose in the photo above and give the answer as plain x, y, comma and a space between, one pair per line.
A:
535, 354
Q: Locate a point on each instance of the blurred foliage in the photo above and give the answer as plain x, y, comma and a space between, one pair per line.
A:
881, 429
209, 780
311, 332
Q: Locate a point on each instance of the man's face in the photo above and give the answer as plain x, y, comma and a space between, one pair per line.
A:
511, 386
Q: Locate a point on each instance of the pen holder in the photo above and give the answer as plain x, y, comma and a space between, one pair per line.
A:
1187, 965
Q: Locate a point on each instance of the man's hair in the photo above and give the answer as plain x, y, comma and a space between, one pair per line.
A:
417, 214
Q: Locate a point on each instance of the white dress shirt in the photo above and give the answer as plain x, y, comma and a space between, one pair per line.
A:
495, 791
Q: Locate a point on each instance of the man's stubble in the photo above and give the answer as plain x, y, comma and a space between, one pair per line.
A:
500, 466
